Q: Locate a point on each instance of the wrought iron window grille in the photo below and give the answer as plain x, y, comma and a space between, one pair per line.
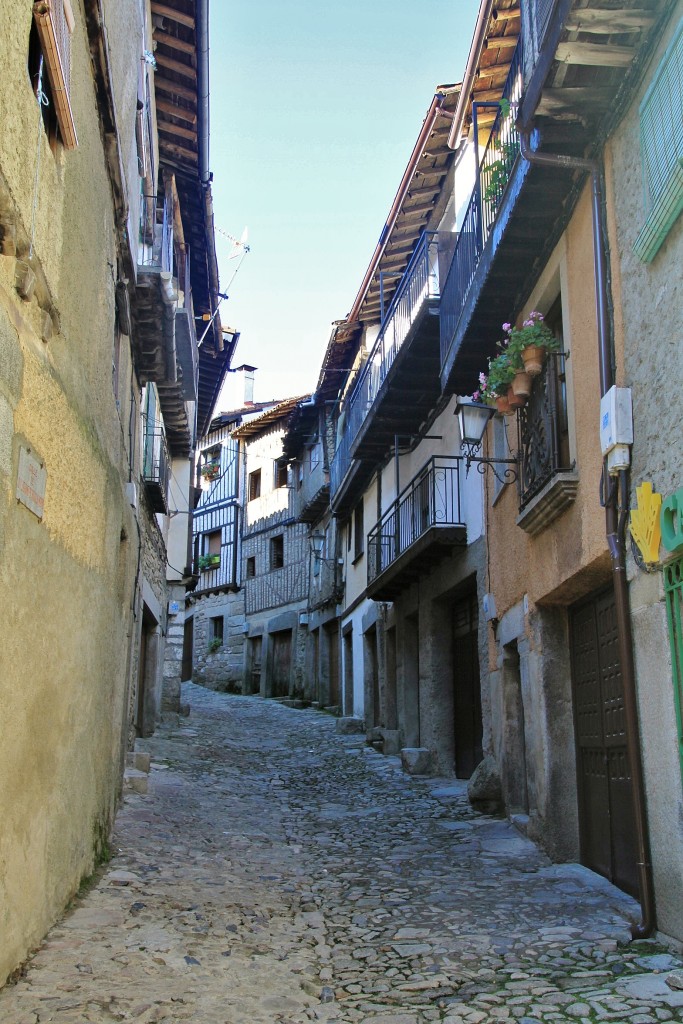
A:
542, 430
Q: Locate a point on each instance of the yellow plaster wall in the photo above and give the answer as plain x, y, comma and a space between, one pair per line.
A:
569, 558
66, 580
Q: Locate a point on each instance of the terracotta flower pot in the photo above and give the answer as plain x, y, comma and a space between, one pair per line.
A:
521, 383
533, 357
502, 404
515, 401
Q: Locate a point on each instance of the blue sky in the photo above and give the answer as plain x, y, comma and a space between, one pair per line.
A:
315, 108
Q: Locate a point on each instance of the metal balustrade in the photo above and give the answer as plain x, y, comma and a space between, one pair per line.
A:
419, 283
431, 499
493, 173
156, 465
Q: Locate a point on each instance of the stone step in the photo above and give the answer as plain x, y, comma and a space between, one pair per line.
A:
139, 759
135, 781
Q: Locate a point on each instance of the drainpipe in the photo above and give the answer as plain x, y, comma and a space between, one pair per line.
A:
615, 523
478, 40
203, 88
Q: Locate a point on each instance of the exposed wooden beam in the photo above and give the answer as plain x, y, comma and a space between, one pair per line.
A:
166, 39
595, 54
176, 65
176, 129
494, 69
500, 42
576, 100
505, 15
175, 111
178, 151
164, 11
608, 22
166, 85
420, 190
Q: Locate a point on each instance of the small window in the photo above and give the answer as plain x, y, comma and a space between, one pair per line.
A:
281, 473
251, 567
255, 485
358, 531
277, 551
216, 627
212, 543
49, 67
349, 532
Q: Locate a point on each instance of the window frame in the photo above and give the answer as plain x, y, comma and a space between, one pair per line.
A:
254, 485
276, 552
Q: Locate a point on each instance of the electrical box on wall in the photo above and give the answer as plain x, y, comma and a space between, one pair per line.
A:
616, 428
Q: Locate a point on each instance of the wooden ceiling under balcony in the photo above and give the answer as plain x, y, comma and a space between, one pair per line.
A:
175, 83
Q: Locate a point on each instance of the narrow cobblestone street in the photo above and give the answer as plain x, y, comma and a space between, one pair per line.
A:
279, 872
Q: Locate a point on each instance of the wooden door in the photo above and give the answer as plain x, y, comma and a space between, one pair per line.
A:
604, 778
255, 648
467, 720
186, 667
334, 698
282, 662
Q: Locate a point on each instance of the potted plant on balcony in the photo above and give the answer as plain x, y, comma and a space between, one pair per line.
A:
210, 470
530, 343
499, 382
209, 562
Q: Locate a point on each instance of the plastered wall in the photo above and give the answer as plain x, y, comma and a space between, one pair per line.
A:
66, 579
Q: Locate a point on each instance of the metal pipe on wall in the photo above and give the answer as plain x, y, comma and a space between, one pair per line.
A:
616, 506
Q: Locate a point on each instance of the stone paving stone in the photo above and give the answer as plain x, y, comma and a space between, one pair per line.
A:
279, 872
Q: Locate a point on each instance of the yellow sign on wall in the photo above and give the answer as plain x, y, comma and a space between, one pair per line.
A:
645, 522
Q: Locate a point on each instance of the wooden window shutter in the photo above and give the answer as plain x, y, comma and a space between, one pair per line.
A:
55, 22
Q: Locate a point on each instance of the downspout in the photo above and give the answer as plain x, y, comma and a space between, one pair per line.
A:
615, 525
473, 59
203, 88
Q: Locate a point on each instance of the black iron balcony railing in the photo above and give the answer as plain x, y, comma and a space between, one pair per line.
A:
542, 425
156, 466
419, 283
431, 499
493, 173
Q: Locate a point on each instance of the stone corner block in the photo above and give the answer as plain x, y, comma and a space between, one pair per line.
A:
391, 741
348, 725
416, 760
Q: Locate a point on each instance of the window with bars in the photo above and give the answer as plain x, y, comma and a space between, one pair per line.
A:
673, 588
661, 144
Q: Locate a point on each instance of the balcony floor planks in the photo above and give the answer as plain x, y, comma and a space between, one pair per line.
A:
437, 543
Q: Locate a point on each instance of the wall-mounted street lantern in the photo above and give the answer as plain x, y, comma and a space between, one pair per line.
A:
473, 419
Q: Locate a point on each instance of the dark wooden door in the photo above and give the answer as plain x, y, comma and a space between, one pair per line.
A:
256, 646
467, 723
282, 663
604, 778
334, 698
188, 636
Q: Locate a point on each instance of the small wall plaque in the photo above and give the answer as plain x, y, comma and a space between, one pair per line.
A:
31, 482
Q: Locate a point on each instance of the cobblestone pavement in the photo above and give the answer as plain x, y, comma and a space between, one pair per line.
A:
279, 872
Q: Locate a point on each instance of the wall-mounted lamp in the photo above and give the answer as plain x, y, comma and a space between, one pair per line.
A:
473, 419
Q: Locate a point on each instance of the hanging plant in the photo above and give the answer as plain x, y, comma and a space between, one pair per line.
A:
530, 343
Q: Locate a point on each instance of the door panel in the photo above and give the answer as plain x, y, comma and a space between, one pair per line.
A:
282, 657
605, 799
466, 688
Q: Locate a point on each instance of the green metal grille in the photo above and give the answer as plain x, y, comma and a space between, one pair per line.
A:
661, 144
673, 588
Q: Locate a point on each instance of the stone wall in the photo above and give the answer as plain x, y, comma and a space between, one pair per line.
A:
222, 669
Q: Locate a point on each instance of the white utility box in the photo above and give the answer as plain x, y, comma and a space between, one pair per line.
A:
616, 428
